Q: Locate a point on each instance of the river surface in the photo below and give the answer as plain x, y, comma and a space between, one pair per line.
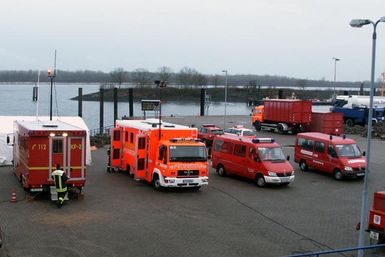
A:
17, 100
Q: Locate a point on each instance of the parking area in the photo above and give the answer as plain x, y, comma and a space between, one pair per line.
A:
231, 217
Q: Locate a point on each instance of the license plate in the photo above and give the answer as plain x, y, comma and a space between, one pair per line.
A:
374, 235
360, 174
284, 179
188, 181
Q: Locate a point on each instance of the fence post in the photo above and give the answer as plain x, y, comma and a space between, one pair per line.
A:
131, 101
115, 104
80, 102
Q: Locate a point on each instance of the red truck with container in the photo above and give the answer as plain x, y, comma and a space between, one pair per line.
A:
260, 159
336, 155
40, 145
282, 115
331, 123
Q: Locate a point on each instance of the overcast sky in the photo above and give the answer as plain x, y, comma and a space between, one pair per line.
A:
295, 38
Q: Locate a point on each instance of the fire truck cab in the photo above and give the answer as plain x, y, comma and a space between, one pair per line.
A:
376, 226
168, 155
260, 159
40, 145
339, 156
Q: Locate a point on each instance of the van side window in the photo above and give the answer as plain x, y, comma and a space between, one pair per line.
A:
319, 147
306, 143
126, 136
301, 141
218, 145
332, 151
240, 150
227, 147
142, 143
131, 137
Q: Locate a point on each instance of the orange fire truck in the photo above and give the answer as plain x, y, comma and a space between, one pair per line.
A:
168, 155
40, 145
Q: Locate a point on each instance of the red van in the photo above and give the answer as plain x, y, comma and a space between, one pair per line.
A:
339, 156
260, 159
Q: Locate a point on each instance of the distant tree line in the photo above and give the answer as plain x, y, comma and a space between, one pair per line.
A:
185, 77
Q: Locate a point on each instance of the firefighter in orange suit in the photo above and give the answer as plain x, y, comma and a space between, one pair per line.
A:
60, 179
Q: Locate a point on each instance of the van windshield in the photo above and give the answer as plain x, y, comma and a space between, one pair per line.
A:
350, 150
271, 154
187, 153
217, 131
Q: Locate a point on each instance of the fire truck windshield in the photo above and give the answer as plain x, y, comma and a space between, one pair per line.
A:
349, 150
271, 154
179, 153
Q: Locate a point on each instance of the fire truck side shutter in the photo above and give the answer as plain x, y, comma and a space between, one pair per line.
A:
116, 147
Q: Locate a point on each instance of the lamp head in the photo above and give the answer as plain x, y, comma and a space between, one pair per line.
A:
382, 19
358, 23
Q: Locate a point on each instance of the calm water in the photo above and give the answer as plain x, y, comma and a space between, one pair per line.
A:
17, 100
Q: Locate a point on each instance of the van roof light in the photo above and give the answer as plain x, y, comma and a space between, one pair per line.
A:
239, 126
263, 140
184, 139
208, 125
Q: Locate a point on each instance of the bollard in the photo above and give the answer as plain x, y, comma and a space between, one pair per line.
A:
13, 196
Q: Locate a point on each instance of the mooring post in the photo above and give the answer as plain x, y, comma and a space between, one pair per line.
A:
362, 88
131, 101
101, 117
280, 94
115, 104
203, 96
80, 102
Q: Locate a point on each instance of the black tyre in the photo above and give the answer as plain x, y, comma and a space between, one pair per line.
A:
349, 122
221, 170
257, 126
337, 174
260, 180
156, 183
280, 128
303, 165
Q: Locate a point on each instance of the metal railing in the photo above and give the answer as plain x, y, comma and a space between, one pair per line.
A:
106, 131
340, 251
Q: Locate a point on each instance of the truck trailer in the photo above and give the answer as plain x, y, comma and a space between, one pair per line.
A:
282, 115
39, 146
359, 115
164, 154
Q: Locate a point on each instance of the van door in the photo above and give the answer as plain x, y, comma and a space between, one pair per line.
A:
116, 148
141, 163
57, 154
320, 157
240, 167
76, 157
331, 160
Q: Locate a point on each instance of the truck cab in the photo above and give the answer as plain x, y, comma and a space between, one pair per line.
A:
181, 162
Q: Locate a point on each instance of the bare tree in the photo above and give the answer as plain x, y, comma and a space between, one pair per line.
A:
186, 76
119, 76
199, 79
141, 77
215, 80
165, 73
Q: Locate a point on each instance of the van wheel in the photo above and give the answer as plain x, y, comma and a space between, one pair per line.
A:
303, 166
260, 181
221, 170
349, 122
338, 174
280, 129
257, 126
156, 183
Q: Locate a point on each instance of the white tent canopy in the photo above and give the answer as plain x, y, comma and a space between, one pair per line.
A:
6, 128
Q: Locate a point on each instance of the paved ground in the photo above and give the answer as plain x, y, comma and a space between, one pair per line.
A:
230, 217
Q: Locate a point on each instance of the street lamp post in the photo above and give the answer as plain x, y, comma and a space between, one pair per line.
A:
224, 117
357, 23
335, 75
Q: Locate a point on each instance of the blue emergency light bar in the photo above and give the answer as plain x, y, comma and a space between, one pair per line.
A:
263, 140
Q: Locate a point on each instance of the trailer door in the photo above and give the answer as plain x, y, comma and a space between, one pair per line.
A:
116, 148
76, 157
141, 164
57, 153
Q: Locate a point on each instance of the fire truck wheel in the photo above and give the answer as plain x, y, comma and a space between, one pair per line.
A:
337, 174
221, 170
260, 181
303, 166
156, 182
257, 126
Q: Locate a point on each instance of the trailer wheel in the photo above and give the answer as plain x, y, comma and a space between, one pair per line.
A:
260, 180
257, 125
337, 174
156, 182
349, 122
221, 170
303, 165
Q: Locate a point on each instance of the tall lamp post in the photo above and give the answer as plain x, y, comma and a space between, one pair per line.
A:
224, 117
51, 75
335, 75
357, 23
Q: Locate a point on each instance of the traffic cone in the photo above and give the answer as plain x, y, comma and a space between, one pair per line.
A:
13, 197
